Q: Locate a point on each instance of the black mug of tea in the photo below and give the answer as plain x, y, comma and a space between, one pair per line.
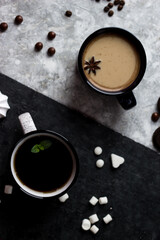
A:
43, 163
112, 61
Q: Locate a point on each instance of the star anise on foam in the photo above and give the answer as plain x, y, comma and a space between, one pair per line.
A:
92, 65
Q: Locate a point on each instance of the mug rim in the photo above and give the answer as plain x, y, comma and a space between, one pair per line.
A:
41, 194
136, 43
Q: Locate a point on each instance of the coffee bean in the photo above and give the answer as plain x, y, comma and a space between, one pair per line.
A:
68, 13
122, 2
106, 9
18, 19
51, 51
158, 105
155, 116
38, 46
51, 35
156, 138
3, 26
110, 13
116, 2
120, 7
110, 5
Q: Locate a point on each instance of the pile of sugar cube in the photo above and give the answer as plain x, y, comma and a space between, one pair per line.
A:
89, 223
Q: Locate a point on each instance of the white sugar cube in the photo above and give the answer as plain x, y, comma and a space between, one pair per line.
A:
94, 229
98, 150
108, 218
93, 218
64, 197
93, 200
86, 224
116, 160
8, 189
103, 200
100, 163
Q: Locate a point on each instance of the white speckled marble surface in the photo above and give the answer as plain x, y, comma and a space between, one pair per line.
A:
57, 77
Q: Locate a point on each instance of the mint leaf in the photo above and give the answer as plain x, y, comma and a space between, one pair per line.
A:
45, 144
35, 149
40, 147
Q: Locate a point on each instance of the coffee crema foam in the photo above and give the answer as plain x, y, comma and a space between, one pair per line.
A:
120, 62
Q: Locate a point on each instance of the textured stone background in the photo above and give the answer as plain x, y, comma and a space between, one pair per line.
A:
57, 77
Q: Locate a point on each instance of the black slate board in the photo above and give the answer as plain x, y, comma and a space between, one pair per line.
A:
133, 190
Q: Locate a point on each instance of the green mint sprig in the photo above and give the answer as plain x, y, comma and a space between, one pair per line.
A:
45, 144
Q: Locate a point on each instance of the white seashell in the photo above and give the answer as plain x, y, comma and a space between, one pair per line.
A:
4, 106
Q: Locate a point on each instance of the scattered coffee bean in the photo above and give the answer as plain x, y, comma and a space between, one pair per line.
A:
122, 2
18, 19
158, 105
51, 51
116, 2
119, 3
120, 7
106, 9
110, 13
110, 5
38, 46
155, 116
68, 13
51, 35
3, 26
156, 138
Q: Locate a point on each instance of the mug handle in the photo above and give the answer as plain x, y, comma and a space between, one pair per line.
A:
27, 123
127, 100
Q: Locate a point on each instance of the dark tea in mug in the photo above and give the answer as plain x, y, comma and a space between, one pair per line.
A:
44, 163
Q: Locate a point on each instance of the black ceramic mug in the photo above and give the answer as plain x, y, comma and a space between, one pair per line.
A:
43, 163
112, 61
